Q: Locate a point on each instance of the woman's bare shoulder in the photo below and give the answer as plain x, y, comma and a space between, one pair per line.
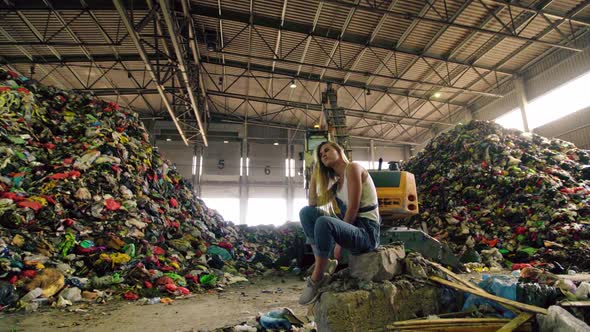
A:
357, 169
356, 165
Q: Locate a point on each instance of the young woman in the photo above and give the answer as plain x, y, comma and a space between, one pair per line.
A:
357, 226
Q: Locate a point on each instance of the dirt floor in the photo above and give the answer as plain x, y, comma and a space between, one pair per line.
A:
204, 312
236, 304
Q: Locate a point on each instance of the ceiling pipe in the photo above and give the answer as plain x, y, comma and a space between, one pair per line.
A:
182, 66
195, 50
148, 66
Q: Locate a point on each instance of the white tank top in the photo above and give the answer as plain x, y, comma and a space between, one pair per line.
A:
368, 197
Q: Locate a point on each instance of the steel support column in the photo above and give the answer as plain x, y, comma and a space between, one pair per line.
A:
290, 184
244, 192
522, 102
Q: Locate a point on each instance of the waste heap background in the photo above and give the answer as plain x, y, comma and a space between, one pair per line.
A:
481, 187
86, 201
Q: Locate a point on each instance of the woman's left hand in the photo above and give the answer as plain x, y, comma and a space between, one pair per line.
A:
338, 252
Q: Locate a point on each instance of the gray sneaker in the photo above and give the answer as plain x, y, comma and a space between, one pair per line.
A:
311, 292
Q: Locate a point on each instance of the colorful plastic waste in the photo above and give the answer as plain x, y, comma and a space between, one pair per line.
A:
484, 187
279, 319
87, 201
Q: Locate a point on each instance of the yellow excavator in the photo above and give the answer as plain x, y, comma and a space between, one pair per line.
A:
396, 189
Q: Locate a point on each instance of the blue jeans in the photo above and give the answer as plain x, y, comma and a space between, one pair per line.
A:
323, 231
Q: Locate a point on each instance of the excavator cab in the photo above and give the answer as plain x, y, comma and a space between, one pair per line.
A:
396, 194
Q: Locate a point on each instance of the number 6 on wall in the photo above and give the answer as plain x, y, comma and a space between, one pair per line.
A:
267, 170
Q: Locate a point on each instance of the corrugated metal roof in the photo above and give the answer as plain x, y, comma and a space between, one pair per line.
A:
303, 46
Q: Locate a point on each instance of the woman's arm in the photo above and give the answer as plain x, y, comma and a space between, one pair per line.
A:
313, 191
354, 176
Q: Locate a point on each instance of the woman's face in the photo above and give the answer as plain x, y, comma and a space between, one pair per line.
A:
328, 155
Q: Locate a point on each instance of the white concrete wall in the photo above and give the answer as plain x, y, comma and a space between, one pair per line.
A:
573, 128
219, 183
180, 155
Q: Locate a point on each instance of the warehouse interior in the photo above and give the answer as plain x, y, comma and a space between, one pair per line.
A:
227, 93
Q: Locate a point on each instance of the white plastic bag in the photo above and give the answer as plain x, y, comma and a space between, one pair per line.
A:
560, 320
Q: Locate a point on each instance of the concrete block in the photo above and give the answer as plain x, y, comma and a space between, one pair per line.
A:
381, 264
374, 309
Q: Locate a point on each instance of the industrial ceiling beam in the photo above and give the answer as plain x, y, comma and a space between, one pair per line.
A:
221, 39
440, 86
425, 49
40, 38
326, 33
278, 44
260, 20
579, 8
372, 38
318, 107
518, 22
240, 119
135, 38
105, 5
195, 51
406, 33
456, 25
538, 12
28, 56
108, 38
575, 11
100, 5
303, 76
181, 65
85, 50
434, 39
275, 101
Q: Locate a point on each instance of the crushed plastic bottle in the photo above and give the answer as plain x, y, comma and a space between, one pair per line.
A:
33, 294
153, 300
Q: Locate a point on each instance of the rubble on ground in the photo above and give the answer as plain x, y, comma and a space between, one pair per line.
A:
425, 293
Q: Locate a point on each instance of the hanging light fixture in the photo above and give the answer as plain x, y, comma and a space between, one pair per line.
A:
292, 85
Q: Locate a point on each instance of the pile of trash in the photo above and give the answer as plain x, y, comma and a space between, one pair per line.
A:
281, 247
87, 204
519, 196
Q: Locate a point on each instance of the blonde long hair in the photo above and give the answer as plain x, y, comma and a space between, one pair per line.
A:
326, 177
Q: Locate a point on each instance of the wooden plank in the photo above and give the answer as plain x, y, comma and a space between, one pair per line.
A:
501, 300
470, 285
457, 314
454, 276
451, 321
517, 322
461, 328
575, 304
